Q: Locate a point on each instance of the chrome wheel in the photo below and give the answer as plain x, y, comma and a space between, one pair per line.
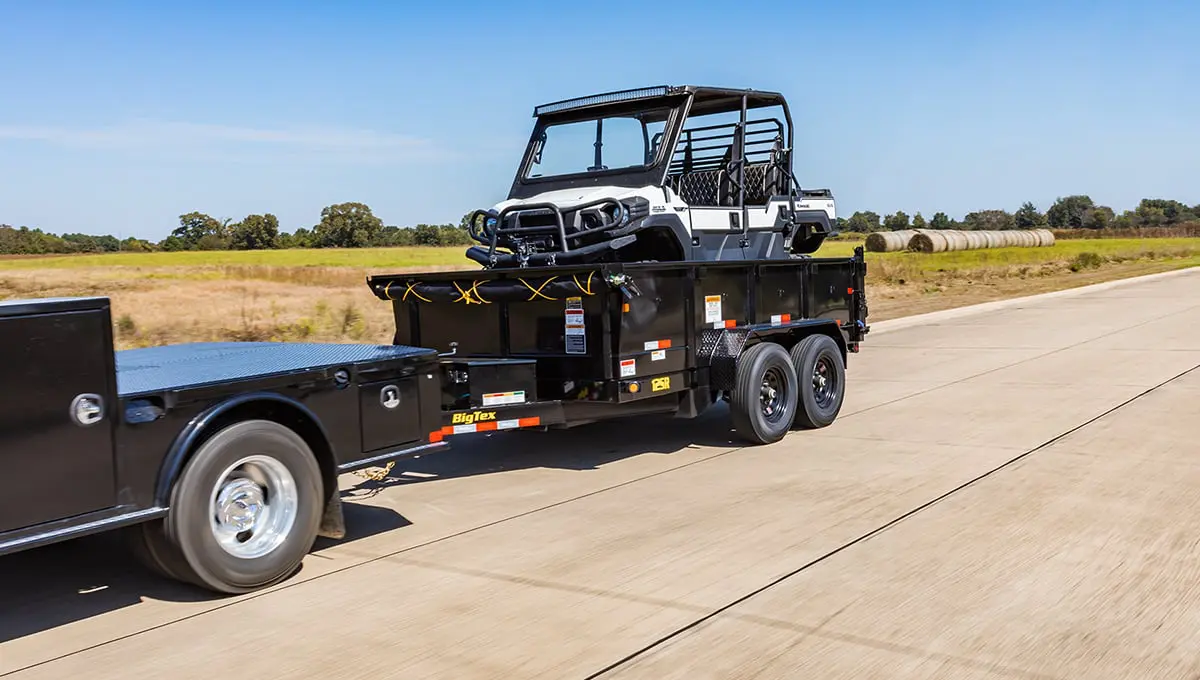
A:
253, 507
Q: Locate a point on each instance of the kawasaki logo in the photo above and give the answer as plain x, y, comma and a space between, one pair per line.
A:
469, 418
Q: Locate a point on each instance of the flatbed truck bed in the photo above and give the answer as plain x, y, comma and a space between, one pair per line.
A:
222, 459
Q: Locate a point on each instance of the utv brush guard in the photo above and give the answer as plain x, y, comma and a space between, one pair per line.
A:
538, 233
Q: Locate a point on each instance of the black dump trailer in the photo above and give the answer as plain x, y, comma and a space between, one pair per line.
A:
222, 459
564, 345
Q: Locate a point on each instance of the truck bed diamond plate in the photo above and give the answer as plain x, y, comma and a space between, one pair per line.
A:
173, 367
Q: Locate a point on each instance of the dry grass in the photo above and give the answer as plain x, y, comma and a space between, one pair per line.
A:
321, 296
899, 284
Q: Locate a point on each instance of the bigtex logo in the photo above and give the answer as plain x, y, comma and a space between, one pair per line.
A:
471, 418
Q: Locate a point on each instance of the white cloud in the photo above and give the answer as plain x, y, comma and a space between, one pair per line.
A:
166, 137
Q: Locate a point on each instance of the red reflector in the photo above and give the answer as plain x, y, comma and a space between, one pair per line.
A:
435, 436
850, 291
529, 422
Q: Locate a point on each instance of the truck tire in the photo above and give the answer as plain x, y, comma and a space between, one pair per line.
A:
764, 397
822, 376
245, 510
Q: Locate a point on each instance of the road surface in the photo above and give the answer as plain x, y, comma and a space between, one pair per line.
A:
1009, 493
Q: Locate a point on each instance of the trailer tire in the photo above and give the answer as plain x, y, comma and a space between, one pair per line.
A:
764, 398
822, 376
245, 510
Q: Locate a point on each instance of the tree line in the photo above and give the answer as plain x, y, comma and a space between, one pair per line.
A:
342, 225
353, 225
1068, 212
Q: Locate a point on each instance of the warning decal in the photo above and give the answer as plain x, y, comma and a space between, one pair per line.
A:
712, 308
628, 367
503, 398
575, 327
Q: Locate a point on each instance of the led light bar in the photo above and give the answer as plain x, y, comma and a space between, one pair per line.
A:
609, 98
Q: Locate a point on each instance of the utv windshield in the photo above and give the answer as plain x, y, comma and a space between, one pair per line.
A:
600, 144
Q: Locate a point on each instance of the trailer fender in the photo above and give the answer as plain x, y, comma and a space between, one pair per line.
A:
268, 406
720, 349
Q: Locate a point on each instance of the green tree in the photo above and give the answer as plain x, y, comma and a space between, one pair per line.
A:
194, 226
1099, 217
1163, 210
941, 221
863, 222
255, 232
988, 220
427, 235
896, 221
346, 225
918, 221
1126, 220
1028, 217
1067, 211
173, 244
453, 235
136, 245
302, 238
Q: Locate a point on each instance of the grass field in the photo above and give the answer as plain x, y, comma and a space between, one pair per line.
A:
321, 294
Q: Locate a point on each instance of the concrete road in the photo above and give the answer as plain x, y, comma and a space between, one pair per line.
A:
1009, 492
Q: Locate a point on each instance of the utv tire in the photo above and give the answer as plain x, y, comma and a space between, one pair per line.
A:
822, 376
763, 401
244, 512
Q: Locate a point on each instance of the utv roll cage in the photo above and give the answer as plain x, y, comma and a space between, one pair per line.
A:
733, 165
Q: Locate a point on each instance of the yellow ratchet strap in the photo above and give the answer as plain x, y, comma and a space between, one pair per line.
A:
538, 291
411, 289
585, 290
475, 289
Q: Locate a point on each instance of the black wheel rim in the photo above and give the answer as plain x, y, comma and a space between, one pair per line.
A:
773, 395
824, 382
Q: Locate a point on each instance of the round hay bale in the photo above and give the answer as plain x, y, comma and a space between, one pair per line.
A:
889, 241
929, 241
991, 239
956, 240
975, 240
1047, 237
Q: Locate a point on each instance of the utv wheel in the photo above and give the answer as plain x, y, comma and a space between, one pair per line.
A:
822, 376
245, 510
763, 401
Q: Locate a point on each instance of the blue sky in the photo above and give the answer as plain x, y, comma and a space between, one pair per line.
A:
117, 117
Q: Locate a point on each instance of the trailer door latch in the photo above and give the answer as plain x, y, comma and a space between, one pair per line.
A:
390, 397
87, 409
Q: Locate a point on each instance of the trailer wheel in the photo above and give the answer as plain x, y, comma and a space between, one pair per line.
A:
822, 375
246, 509
764, 398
